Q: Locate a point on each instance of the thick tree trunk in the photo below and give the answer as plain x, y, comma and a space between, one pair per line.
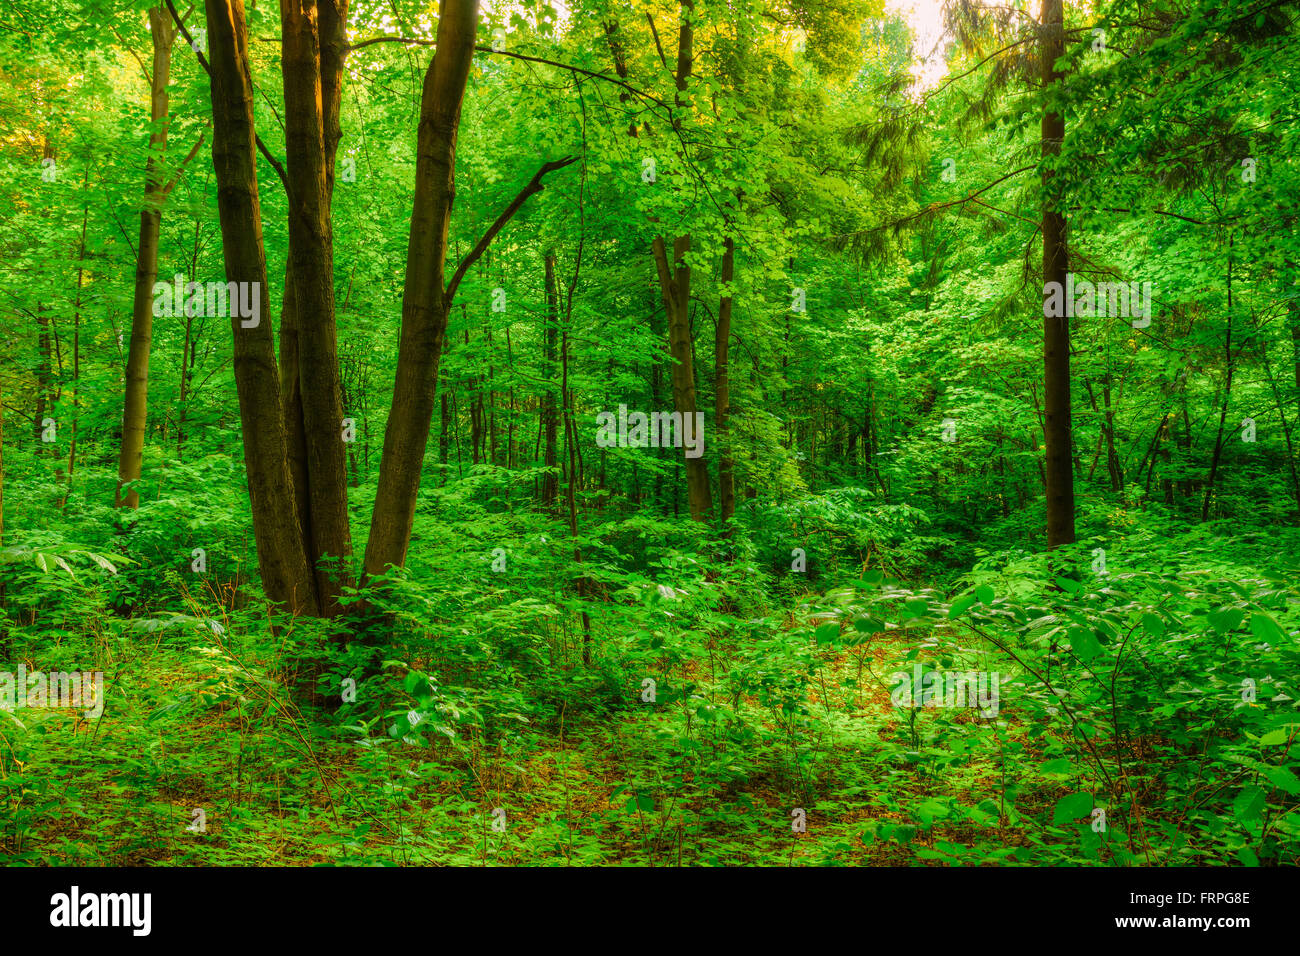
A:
131, 459
311, 305
332, 17
1059, 477
286, 575
424, 298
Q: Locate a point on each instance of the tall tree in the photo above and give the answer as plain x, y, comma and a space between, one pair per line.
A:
546, 407
135, 411
287, 575
675, 288
722, 388
426, 303
1057, 432
313, 404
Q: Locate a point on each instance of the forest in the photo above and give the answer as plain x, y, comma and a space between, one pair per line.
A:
650, 433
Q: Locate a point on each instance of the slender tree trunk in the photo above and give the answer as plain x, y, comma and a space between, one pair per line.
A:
444, 434
675, 288
135, 413
1056, 329
1286, 430
1112, 456
1227, 397
722, 388
76, 343
187, 355
659, 332
44, 374
510, 422
44, 367
2, 482
1293, 317
550, 483
675, 285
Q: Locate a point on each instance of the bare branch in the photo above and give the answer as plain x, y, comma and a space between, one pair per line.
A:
203, 61
534, 186
184, 162
518, 56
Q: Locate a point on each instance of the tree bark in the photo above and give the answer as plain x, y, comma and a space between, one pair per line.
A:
424, 299
1059, 478
1227, 398
675, 285
550, 483
135, 412
286, 575
722, 388
311, 273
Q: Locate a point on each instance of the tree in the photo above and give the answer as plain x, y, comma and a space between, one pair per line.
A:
1057, 430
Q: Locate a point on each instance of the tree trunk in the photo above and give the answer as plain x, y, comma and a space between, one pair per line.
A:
424, 299
44, 374
187, 355
1227, 397
675, 285
311, 305
1112, 456
722, 387
550, 483
1059, 477
286, 575
76, 343
134, 415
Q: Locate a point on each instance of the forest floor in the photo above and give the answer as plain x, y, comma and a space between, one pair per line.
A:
196, 728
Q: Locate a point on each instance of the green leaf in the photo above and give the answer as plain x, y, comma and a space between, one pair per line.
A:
1249, 804
1266, 629
1071, 808
639, 802
917, 607
961, 605
869, 625
1284, 779
828, 633
1277, 738
1084, 643
1227, 619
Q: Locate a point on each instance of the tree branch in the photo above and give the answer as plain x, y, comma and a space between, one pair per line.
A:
203, 61
184, 162
936, 206
534, 186
517, 56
